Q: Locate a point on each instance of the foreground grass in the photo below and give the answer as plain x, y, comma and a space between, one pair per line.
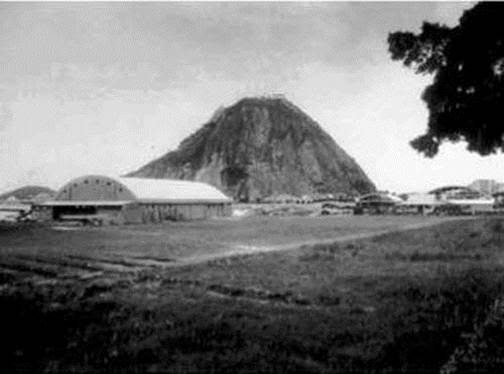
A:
409, 302
173, 240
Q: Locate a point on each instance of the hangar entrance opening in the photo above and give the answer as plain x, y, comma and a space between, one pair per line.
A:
60, 212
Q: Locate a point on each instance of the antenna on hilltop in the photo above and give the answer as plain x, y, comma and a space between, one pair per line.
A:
280, 96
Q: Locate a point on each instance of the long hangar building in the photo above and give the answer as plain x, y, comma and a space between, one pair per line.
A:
134, 200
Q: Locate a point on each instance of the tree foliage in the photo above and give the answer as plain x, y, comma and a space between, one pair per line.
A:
466, 98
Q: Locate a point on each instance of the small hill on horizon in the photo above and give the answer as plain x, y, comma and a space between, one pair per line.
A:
260, 147
27, 192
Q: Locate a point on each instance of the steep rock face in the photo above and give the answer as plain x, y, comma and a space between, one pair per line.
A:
260, 147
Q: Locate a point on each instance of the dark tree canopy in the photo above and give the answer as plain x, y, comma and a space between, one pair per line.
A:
466, 99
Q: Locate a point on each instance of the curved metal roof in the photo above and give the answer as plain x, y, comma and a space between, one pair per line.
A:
148, 189
380, 197
126, 189
450, 188
422, 199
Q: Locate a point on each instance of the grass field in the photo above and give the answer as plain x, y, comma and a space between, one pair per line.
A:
175, 240
100, 299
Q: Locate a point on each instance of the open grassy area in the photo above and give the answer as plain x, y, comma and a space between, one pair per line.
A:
174, 240
413, 301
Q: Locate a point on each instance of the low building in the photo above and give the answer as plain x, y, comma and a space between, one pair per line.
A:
420, 203
474, 206
13, 211
282, 199
307, 199
455, 193
378, 203
499, 199
96, 198
485, 186
499, 188
338, 208
456, 200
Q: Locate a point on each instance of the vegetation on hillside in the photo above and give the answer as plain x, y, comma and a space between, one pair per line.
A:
27, 192
259, 147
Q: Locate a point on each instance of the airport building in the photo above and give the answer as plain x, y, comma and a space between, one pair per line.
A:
455, 193
103, 199
449, 200
463, 200
420, 203
378, 203
485, 186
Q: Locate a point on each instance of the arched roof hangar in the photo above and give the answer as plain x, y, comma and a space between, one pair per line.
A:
99, 188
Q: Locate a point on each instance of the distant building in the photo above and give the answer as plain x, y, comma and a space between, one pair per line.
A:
378, 203
420, 203
463, 200
41, 198
449, 200
282, 199
133, 200
12, 209
485, 186
338, 208
473, 206
11, 200
455, 192
499, 199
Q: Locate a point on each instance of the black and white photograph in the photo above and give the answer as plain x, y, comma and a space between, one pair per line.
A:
252, 187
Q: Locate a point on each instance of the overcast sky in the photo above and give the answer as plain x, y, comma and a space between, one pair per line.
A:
106, 87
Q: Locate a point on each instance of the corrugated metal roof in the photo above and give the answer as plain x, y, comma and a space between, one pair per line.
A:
380, 197
170, 190
449, 188
85, 203
422, 199
104, 190
470, 201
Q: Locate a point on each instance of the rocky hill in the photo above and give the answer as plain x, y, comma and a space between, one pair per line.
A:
260, 147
